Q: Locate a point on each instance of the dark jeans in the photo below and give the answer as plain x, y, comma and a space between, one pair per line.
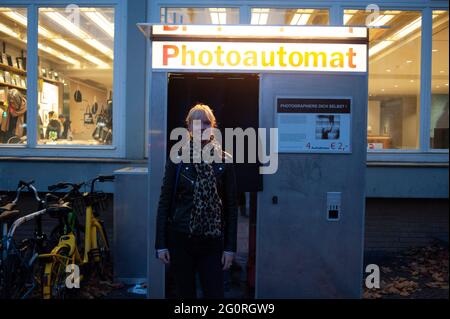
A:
189, 255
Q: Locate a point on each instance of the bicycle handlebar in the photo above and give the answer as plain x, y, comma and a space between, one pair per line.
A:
22, 185
76, 187
106, 178
26, 184
35, 193
64, 185
101, 179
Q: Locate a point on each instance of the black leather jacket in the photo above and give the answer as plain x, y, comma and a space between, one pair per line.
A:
175, 213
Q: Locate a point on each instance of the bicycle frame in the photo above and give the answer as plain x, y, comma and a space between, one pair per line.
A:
66, 241
36, 244
10, 249
92, 230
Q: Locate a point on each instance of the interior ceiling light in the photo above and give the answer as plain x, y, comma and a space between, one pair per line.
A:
75, 30
381, 20
348, 15
260, 16
100, 20
10, 32
301, 17
63, 43
218, 15
402, 33
59, 55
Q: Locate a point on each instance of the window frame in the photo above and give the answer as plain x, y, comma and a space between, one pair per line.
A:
32, 148
424, 152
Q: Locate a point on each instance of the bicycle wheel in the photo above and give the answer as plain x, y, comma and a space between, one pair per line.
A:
54, 278
101, 255
20, 271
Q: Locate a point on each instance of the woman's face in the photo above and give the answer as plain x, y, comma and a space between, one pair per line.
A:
205, 123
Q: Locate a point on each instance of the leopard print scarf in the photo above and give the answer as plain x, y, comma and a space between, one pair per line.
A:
206, 219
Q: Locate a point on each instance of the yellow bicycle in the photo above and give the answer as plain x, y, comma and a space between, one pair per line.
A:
71, 252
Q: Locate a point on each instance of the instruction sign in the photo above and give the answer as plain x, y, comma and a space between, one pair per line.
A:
316, 125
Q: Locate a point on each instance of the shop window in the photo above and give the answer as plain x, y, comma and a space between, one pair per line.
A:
200, 15
76, 53
13, 75
394, 77
272, 16
439, 85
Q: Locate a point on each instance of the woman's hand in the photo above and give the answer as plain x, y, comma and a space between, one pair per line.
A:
227, 260
164, 256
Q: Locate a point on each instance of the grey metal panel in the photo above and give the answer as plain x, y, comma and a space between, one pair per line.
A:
157, 151
130, 227
299, 253
407, 182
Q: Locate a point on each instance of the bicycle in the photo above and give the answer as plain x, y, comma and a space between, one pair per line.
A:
18, 268
95, 251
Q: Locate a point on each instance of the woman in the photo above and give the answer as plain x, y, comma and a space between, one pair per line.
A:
197, 216
14, 122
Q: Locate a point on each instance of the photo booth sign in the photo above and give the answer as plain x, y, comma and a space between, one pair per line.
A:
313, 125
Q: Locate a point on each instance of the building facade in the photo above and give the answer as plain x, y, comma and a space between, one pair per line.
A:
87, 61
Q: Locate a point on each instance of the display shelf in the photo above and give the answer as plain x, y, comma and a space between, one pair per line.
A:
50, 80
18, 71
12, 86
13, 69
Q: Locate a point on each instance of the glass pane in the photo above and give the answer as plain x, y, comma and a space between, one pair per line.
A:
200, 15
13, 76
76, 52
439, 84
394, 77
272, 16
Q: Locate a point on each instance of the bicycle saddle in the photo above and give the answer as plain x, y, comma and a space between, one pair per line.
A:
9, 216
7, 207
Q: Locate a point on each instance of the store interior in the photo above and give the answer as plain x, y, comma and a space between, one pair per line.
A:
394, 78
75, 67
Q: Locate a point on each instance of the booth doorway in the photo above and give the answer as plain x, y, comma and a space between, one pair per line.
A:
234, 99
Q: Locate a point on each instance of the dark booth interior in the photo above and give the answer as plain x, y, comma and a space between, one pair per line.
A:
234, 99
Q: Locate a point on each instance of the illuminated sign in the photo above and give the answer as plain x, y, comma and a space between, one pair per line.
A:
260, 31
259, 56
259, 48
